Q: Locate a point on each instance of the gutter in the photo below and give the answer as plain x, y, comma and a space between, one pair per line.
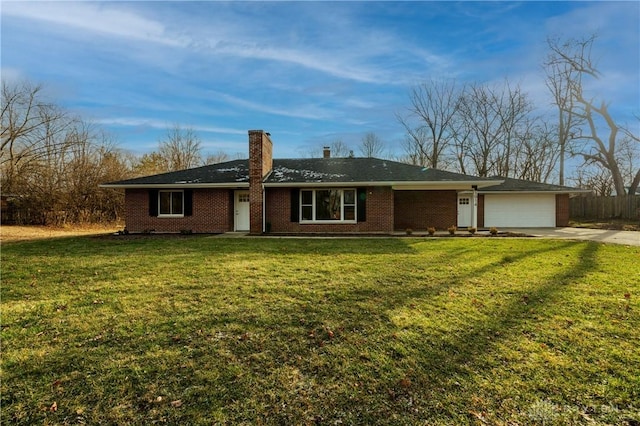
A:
524, 191
397, 185
176, 185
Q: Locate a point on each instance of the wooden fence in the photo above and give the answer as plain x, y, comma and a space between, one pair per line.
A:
591, 207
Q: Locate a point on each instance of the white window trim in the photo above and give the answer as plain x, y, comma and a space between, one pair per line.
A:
342, 205
171, 214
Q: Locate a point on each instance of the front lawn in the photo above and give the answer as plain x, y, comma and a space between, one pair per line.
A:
206, 330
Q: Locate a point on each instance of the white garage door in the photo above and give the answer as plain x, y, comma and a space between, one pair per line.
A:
520, 210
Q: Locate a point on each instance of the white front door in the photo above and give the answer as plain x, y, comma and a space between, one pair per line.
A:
241, 217
465, 210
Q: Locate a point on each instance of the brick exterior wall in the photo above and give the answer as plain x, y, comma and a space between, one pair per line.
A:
419, 210
379, 217
562, 209
260, 164
480, 211
212, 213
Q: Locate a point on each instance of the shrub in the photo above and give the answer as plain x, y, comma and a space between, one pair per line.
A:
123, 232
471, 230
493, 230
452, 229
431, 230
408, 231
186, 231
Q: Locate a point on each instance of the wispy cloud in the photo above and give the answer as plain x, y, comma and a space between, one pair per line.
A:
297, 68
93, 17
360, 59
298, 111
162, 124
11, 75
334, 65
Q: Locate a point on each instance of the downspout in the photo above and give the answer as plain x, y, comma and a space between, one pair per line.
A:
264, 202
474, 207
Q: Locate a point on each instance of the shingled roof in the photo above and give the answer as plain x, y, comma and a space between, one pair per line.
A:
356, 170
230, 172
520, 185
305, 171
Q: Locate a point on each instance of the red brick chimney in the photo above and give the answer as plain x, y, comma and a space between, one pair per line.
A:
326, 152
260, 164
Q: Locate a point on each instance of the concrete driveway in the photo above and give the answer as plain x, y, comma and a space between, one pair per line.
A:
629, 238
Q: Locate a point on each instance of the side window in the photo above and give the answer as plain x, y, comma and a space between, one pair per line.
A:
307, 204
171, 203
350, 204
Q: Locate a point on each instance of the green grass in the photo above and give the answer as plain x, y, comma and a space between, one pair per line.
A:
203, 330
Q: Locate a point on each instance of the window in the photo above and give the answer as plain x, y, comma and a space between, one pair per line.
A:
463, 201
171, 203
319, 205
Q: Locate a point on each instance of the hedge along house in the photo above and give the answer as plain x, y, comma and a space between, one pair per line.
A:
331, 195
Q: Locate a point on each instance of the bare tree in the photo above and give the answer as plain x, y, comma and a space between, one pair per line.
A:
371, 145
599, 143
180, 148
413, 144
151, 163
218, 157
629, 160
560, 78
493, 119
475, 128
513, 108
339, 149
31, 127
432, 121
594, 177
538, 152
53, 161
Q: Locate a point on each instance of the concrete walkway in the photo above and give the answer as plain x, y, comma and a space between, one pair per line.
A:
629, 238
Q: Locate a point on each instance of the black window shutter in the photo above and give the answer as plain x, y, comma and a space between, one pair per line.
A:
362, 204
153, 202
188, 202
295, 205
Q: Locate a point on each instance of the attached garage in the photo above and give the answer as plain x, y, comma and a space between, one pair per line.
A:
520, 210
517, 203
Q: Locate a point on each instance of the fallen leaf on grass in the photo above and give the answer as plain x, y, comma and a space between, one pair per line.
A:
405, 382
177, 403
479, 416
54, 407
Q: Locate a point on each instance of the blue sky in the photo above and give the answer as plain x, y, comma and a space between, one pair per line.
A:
307, 72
